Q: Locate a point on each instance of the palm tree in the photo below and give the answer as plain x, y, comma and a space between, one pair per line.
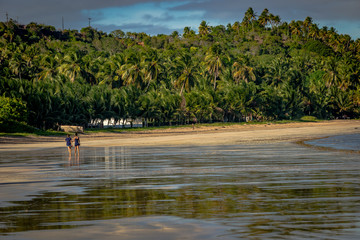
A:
296, 28
9, 31
204, 29
71, 66
331, 75
131, 71
239, 100
17, 64
214, 62
344, 43
149, 107
264, 17
118, 105
188, 32
102, 69
249, 18
242, 70
341, 102
170, 103
274, 20
132, 104
48, 67
236, 26
152, 67
185, 72
277, 71
314, 31
308, 22
348, 75
200, 105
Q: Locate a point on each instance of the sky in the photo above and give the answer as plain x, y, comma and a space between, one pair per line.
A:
165, 16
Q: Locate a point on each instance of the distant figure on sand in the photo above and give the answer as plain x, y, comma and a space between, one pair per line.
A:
77, 143
68, 143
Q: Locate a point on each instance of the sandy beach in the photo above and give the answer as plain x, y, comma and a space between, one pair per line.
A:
233, 182
204, 135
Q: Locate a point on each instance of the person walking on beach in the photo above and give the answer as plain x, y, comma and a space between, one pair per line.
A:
68, 143
77, 144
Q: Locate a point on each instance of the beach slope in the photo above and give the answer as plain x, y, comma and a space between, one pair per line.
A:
204, 135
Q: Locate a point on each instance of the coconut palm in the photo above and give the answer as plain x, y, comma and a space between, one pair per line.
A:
264, 18
308, 22
331, 75
277, 71
185, 72
48, 67
71, 66
131, 71
214, 62
204, 29
242, 71
295, 28
341, 103
249, 18
152, 67
17, 65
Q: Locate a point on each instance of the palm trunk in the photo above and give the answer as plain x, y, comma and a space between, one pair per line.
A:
216, 74
182, 88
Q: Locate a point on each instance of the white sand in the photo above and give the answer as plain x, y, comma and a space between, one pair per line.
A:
237, 134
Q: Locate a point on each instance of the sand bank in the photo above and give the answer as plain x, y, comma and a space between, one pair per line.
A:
237, 134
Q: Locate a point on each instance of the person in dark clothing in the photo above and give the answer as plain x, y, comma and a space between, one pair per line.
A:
77, 144
68, 143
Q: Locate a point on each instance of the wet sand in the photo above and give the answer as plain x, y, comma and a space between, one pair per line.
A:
238, 182
198, 136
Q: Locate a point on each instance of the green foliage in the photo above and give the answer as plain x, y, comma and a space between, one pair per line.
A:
319, 48
7, 126
308, 119
258, 69
12, 109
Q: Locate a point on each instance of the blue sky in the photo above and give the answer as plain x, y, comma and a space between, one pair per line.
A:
165, 16
147, 17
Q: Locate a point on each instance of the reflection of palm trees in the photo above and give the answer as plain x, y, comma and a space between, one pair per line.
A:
114, 158
116, 198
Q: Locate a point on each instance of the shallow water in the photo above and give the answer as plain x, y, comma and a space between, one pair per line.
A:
342, 142
274, 191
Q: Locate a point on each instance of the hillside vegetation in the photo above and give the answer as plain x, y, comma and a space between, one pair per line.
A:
258, 68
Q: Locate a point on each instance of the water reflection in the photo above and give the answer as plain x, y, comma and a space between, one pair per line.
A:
267, 191
108, 158
116, 158
350, 142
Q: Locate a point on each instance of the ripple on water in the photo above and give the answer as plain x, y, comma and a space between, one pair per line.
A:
272, 191
341, 142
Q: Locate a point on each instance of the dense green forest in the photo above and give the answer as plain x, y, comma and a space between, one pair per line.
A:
260, 67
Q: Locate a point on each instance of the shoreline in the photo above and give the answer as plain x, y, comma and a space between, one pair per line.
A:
203, 135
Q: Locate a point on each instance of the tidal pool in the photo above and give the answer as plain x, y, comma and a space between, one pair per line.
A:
350, 142
272, 191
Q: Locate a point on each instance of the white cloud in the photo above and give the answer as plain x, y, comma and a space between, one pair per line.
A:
163, 15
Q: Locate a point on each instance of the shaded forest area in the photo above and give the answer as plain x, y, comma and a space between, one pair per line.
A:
259, 68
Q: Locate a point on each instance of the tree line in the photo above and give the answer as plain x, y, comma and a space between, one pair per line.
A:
261, 68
